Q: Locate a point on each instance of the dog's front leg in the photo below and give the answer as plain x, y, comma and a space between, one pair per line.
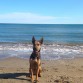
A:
32, 79
31, 70
40, 69
37, 72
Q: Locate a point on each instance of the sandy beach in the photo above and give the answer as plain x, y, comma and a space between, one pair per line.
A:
15, 70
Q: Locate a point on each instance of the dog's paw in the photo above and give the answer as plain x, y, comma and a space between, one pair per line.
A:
36, 81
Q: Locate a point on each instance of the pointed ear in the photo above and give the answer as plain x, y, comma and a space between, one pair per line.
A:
33, 39
41, 40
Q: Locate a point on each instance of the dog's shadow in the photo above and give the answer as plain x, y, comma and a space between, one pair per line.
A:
17, 76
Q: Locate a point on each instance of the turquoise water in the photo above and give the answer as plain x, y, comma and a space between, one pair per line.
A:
60, 40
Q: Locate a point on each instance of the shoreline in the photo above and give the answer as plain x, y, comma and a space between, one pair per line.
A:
16, 70
42, 59
12, 57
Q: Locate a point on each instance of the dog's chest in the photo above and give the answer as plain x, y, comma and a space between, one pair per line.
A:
35, 56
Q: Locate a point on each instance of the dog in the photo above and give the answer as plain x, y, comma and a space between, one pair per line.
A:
35, 63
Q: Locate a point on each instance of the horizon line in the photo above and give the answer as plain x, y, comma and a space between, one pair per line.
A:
41, 23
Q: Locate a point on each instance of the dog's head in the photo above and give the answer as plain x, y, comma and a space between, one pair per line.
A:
37, 44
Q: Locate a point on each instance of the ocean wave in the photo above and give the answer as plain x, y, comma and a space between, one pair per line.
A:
48, 51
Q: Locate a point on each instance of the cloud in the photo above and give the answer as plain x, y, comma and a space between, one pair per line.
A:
19, 17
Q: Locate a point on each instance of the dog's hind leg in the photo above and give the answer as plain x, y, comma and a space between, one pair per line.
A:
40, 70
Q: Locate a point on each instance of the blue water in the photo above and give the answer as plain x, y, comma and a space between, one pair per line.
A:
60, 40
65, 33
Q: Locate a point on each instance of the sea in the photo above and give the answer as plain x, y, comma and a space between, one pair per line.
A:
61, 41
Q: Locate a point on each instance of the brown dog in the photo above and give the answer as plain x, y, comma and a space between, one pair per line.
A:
35, 64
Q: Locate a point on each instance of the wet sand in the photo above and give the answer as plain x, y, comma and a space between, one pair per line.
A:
16, 70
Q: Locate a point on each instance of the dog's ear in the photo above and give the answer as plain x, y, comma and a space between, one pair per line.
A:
41, 40
33, 39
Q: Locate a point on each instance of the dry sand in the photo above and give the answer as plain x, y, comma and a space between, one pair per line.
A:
15, 70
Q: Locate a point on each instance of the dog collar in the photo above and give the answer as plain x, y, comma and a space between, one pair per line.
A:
36, 51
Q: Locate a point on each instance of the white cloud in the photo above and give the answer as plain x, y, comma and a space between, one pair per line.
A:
19, 17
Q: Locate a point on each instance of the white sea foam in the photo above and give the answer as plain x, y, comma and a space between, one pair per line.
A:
53, 51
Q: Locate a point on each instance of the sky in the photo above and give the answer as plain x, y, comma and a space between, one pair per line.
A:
41, 11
